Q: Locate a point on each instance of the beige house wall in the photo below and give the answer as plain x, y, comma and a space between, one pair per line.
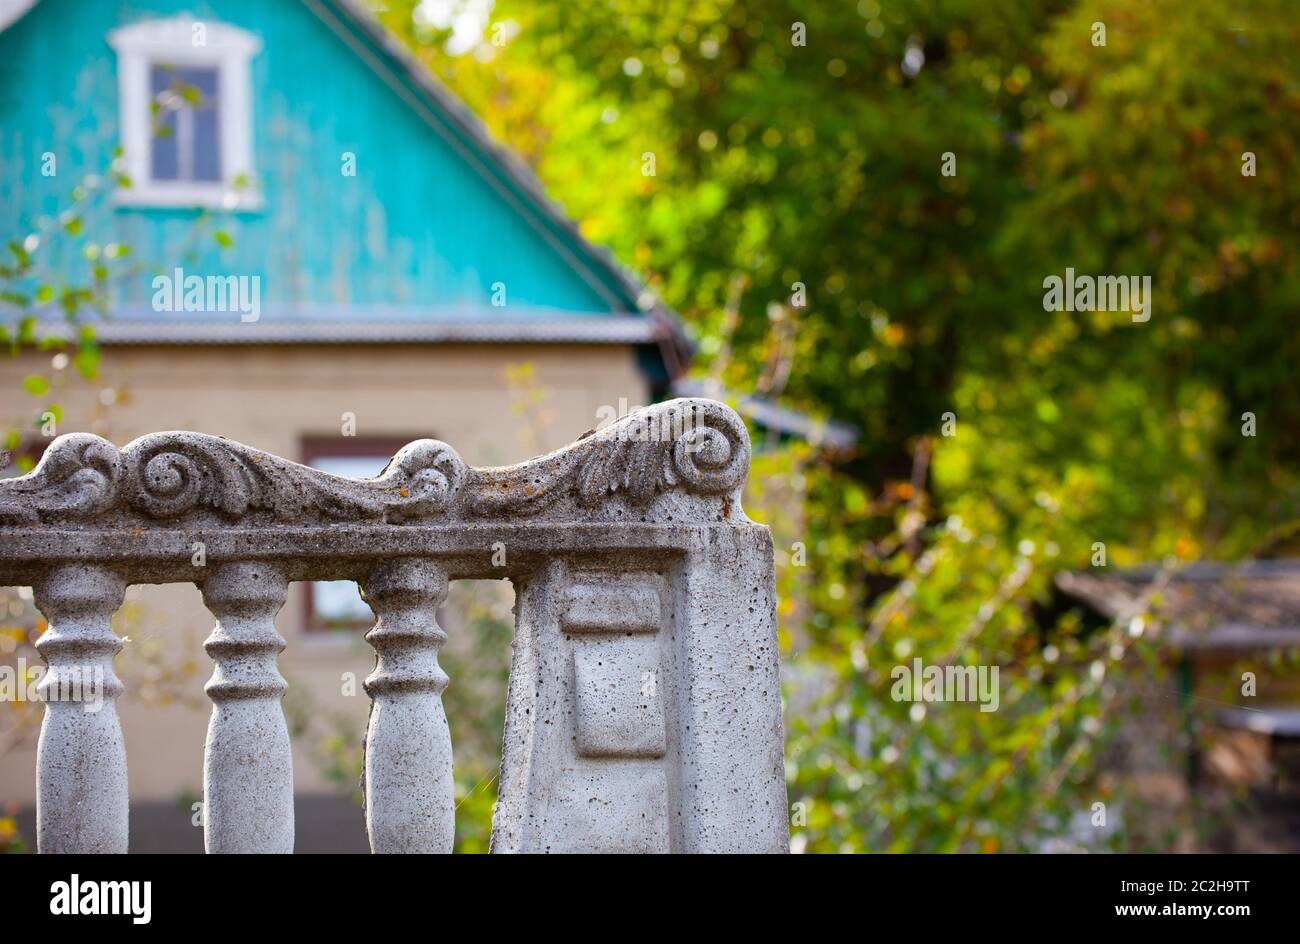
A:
271, 397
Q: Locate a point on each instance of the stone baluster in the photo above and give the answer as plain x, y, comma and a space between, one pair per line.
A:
247, 765
410, 794
81, 798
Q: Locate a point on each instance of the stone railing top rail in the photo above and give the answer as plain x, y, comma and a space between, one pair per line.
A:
683, 461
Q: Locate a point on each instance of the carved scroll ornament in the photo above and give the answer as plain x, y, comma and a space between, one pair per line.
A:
686, 449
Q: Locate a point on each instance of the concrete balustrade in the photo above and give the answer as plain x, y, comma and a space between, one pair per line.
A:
644, 710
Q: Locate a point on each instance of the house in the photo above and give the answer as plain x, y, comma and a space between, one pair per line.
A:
328, 258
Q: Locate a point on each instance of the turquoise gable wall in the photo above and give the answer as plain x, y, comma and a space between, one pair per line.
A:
416, 226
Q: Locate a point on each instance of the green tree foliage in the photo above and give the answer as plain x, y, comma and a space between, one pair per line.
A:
916, 170
820, 164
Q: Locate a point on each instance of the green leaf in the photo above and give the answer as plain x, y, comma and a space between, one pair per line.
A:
22, 255
87, 360
36, 384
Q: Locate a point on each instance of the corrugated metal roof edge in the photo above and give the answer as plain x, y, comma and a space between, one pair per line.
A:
551, 331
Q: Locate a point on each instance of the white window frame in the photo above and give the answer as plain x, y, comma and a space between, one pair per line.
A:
230, 50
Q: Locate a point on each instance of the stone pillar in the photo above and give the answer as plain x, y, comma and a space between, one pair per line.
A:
728, 708
588, 755
644, 712
247, 764
81, 799
409, 788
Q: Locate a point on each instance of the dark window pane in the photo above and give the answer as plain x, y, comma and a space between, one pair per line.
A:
186, 142
207, 150
163, 159
163, 162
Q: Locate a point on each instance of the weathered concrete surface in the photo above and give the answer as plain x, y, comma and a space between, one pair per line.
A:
659, 730
193, 480
81, 799
644, 707
247, 763
409, 788
728, 717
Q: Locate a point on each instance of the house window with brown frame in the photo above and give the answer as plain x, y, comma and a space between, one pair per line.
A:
336, 605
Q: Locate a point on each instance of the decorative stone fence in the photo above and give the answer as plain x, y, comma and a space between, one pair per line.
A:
644, 710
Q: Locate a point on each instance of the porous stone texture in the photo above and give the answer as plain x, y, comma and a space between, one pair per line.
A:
618, 712
81, 799
189, 480
644, 709
247, 762
409, 789
604, 723
728, 715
